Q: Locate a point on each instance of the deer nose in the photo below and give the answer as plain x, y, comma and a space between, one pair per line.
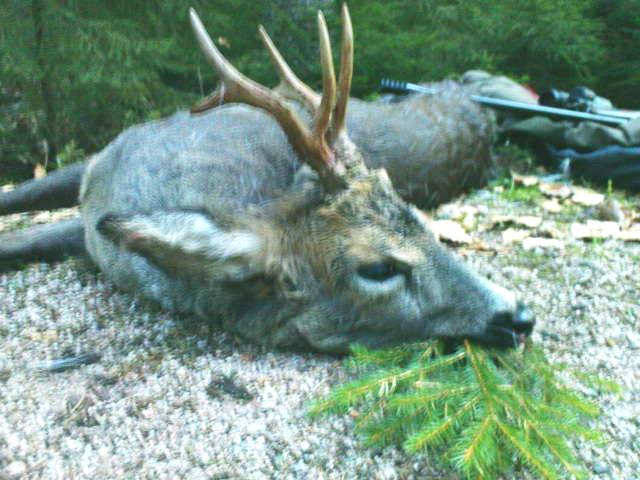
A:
510, 328
523, 320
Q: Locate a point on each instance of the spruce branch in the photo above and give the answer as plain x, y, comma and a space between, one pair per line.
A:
478, 408
527, 451
435, 432
481, 438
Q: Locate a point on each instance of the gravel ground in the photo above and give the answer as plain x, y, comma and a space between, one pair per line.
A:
169, 398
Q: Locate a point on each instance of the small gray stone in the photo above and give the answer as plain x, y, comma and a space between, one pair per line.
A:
633, 343
600, 468
16, 469
305, 446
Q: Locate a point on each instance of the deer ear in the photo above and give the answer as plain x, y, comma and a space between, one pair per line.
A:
188, 242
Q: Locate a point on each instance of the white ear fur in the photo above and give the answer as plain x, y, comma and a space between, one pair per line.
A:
185, 241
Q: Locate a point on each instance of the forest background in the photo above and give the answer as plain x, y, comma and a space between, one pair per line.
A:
74, 73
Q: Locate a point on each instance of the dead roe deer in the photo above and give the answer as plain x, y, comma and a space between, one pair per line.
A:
265, 216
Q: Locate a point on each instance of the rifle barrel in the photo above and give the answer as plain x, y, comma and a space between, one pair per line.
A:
500, 104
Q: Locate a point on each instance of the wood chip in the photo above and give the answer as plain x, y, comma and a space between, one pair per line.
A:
525, 180
544, 243
631, 235
549, 231
552, 205
450, 231
469, 210
559, 190
39, 171
480, 246
528, 221
477, 246
469, 222
513, 235
42, 217
586, 197
453, 211
594, 229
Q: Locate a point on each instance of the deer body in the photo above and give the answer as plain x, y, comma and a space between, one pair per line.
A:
245, 157
288, 230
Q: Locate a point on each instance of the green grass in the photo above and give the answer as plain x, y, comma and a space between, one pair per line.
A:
514, 193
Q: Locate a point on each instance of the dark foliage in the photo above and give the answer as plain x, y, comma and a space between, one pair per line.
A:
75, 73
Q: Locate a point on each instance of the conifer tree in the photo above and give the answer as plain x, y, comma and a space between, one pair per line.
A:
619, 72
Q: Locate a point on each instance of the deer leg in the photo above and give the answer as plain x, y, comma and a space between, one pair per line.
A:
58, 190
49, 243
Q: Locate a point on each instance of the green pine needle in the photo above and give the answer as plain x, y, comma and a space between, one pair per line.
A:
479, 409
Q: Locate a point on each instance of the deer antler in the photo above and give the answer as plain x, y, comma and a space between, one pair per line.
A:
313, 146
291, 86
346, 74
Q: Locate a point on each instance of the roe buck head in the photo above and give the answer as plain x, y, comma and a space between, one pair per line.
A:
339, 258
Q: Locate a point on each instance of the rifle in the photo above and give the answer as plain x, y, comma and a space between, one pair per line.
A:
510, 105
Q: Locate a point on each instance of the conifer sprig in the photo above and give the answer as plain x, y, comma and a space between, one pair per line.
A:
482, 411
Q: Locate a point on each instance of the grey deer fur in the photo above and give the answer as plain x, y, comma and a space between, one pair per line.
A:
225, 215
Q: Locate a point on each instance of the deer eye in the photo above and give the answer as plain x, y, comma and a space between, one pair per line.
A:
379, 271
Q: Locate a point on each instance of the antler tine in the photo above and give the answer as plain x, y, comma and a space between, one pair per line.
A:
346, 74
238, 88
290, 85
323, 114
229, 76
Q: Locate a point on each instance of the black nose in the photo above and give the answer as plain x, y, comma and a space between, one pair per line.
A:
507, 329
523, 320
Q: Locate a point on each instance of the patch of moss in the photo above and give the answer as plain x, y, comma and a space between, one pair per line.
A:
515, 193
509, 191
